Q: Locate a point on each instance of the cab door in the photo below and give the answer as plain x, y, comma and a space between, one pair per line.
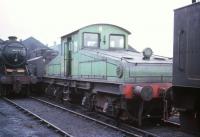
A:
67, 57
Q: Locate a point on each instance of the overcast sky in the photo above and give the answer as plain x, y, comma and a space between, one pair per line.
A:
149, 21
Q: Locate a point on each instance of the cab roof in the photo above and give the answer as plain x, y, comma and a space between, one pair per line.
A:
96, 25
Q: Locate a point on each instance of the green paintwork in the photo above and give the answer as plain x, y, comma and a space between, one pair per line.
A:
101, 63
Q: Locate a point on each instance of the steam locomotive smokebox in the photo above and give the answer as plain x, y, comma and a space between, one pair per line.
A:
13, 52
186, 64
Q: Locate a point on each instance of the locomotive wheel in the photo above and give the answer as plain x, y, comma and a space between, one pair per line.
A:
71, 96
59, 95
88, 101
91, 102
190, 121
65, 95
49, 90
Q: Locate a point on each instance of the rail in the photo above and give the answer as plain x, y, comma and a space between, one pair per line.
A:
57, 129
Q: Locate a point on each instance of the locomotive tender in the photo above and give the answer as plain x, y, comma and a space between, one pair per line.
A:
186, 74
14, 75
96, 68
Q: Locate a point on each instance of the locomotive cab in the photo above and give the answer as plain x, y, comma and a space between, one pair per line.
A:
97, 36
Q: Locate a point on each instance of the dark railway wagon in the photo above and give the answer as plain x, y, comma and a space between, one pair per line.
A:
186, 65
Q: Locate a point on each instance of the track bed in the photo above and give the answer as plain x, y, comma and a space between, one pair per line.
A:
14, 123
72, 124
152, 129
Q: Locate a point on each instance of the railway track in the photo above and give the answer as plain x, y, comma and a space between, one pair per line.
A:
168, 128
126, 129
48, 124
21, 106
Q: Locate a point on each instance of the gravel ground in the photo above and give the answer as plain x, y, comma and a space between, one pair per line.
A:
169, 132
76, 126
14, 123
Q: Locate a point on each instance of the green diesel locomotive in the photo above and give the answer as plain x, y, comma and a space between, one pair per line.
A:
97, 68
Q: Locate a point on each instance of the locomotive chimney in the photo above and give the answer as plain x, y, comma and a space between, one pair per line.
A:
193, 1
14, 38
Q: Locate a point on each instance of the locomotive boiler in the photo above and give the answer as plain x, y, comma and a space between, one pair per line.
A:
96, 69
14, 75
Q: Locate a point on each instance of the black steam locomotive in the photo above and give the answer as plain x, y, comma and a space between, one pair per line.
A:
14, 75
186, 67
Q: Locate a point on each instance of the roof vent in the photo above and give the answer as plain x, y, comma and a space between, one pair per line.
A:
14, 38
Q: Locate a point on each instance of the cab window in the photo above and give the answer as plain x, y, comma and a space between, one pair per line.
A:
117, 41
91, 40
